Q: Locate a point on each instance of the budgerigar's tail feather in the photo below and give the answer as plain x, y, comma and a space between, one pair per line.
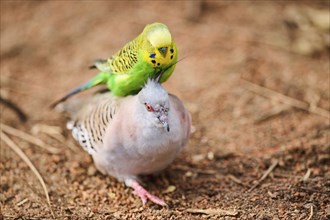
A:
100, 78
73, 92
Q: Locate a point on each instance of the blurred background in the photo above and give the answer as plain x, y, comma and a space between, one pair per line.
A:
255, 77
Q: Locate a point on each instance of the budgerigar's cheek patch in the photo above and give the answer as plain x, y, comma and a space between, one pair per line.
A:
171, 50
152, 55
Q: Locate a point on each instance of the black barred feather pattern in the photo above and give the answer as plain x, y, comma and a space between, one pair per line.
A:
126, 58
91, 122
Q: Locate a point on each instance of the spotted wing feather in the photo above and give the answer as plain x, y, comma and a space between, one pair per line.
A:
91, 121
126, 58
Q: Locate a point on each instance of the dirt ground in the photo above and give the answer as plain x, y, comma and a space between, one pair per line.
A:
255, 77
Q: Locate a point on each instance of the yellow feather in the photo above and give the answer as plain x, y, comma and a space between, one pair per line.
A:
158, 35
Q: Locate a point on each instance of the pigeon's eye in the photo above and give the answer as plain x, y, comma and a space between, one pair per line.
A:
149, 107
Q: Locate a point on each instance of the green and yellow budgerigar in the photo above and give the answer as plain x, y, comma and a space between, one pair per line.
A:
151, 53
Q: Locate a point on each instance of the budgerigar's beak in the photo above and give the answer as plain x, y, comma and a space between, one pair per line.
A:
163, 51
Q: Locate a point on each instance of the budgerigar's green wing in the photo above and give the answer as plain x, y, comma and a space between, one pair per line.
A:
123, 61
132, 82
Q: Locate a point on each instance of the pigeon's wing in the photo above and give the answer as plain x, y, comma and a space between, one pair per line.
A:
90, 119
184, 117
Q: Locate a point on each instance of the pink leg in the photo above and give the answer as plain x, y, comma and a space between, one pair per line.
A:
143, 193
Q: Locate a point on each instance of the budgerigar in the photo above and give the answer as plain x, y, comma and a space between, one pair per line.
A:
132, 135
151, 53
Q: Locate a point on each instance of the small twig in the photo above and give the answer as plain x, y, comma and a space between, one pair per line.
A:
235, 180
286, 99
29, 138
25, 158
270, 169
62, 140
321, 190
287, 176
19, 112
220, 212
272, 195
105, 211
274, 112
54, 132
22, 202
307, 175
48, 129
312, 212
20, 217
208, 172
200, 171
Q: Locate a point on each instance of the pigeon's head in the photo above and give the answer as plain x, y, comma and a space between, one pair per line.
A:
156, 105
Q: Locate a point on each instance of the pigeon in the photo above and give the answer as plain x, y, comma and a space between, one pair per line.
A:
133, 135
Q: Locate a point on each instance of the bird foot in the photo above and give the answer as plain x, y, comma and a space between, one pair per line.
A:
145, 195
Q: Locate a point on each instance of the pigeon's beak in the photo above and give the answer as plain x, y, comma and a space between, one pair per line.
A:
164, 121
167, 126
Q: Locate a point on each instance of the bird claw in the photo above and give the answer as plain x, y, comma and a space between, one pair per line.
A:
145, 195
155, 199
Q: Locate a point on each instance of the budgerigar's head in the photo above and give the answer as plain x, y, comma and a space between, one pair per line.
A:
155, 102
159, 37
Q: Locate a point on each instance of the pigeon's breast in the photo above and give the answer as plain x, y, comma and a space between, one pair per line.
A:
154, 152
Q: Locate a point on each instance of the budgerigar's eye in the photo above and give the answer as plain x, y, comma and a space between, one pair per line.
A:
149, 107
